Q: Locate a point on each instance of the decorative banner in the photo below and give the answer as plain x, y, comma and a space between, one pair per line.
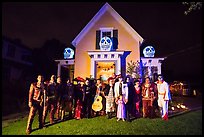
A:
148, 51
68, 53
105, 44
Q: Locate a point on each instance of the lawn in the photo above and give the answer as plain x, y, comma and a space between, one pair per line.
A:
186, 124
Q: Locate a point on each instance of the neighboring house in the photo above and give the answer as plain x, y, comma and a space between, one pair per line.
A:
16, 59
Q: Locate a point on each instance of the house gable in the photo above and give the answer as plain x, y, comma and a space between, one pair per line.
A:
99, 14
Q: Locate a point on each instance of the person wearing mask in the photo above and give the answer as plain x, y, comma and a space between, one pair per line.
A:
163, 96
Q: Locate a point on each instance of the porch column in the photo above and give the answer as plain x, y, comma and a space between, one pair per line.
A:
159, 69
93, 68
150, 68
59, 69
159, 66
118, 66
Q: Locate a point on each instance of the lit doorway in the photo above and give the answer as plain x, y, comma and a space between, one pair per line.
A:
67, 72
104, 70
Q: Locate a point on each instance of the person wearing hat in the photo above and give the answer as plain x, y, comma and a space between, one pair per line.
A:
137, 97
163, 96
109, 95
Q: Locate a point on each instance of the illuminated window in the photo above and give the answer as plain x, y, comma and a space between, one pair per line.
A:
108, 32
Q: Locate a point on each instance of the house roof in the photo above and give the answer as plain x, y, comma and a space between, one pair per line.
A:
107, 8
16, 42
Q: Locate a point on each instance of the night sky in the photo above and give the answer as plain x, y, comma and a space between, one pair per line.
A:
162, 25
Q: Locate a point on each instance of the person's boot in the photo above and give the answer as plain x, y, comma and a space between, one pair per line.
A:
165, 117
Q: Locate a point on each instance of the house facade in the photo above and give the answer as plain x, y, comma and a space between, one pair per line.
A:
104, 46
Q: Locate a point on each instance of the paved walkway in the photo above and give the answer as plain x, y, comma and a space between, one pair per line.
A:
191, 102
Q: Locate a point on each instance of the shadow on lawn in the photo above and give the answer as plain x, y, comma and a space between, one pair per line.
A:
47, 124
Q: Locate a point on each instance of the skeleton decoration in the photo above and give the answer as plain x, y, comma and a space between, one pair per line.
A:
148, 51
68, 53
105, 44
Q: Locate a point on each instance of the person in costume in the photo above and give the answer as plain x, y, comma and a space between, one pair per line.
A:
129, 105
36, 103
51, 100
99, 92
87, 102
121, 88
163, 96
137, 98
121, 110
59, 90
149, 95
80, 95
110, 100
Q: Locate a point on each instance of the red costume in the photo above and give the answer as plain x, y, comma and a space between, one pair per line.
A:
137, 99
78, 110
148, 97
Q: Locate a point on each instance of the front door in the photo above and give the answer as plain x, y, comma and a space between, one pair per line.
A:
104, 70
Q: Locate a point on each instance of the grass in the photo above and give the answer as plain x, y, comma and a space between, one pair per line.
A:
186, 124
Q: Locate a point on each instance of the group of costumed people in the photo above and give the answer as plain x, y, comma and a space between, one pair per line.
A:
120, 97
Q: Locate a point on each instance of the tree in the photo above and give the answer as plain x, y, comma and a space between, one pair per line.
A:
192, 6
44, 57
134, 68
